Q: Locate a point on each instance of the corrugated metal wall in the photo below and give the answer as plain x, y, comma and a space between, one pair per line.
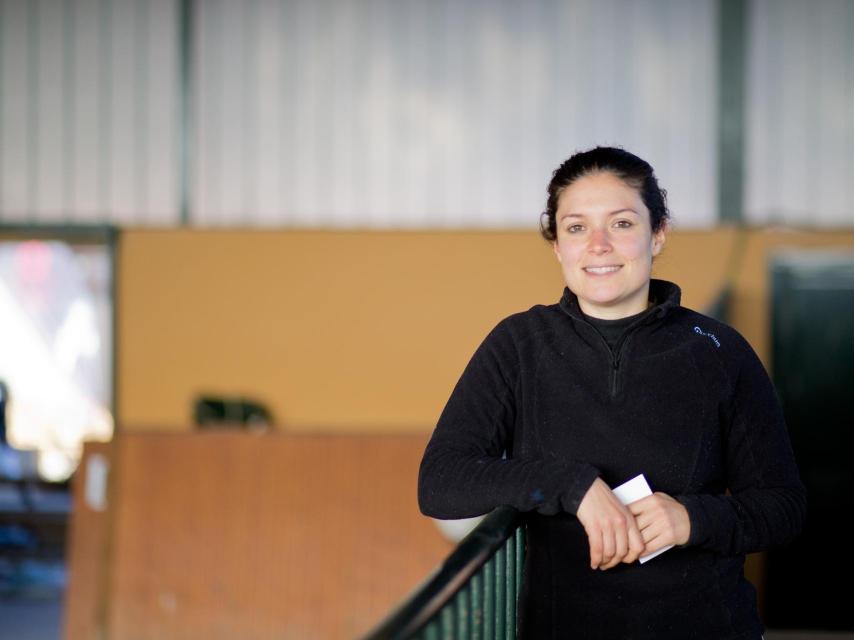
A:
800, 117
400, 113
445, 113
88, 111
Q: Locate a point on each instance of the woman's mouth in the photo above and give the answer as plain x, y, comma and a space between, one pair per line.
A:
604, 270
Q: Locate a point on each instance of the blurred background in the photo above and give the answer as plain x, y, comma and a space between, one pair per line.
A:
247, 248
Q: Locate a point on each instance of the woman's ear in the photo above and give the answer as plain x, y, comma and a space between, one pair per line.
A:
557, 251
658, 239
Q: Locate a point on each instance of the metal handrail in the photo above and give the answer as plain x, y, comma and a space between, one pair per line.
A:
430, 602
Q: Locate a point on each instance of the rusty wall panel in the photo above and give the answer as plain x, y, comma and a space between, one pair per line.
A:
234, 535
87, 552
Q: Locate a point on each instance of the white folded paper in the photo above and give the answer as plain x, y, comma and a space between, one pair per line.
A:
632, 490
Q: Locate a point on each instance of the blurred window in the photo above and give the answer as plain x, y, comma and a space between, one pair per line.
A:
56, 342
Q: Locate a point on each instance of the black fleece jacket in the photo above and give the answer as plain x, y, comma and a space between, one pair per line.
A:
545, 406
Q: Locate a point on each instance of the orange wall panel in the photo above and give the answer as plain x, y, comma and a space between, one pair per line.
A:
335, 330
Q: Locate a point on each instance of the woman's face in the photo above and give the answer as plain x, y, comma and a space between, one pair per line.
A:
605, 245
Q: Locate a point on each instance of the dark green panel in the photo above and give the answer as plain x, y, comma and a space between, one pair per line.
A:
186, 15
141, 37
70, 105
813, 370
813, 356
2, 105
732, 37
105, 111
33, 97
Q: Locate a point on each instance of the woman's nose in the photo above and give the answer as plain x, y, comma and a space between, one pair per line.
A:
599, 241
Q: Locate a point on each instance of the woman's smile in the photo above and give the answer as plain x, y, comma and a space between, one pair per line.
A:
605, 245
603, 270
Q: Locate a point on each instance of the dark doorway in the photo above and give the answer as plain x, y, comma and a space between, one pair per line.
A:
813, 369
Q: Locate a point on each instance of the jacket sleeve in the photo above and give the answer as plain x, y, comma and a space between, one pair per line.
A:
467, 468
766, 502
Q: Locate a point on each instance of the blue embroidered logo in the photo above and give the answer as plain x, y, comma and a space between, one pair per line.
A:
711, 336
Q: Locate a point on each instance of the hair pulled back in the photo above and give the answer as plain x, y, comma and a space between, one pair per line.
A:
632, 170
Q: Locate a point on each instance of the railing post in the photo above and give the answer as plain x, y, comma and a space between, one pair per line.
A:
473, 595
510, 591
500, 593
477, 606
489, 601
462, 613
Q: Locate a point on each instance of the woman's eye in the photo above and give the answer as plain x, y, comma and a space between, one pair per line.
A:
574, 228
622, 224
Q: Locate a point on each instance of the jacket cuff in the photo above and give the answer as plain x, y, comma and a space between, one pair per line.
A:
582, 477
698, 518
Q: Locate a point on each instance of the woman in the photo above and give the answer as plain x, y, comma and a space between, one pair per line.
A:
561, 403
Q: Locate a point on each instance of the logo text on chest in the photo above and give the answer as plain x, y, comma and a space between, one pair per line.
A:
711, 336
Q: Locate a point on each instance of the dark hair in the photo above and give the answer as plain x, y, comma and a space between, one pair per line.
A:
634, 171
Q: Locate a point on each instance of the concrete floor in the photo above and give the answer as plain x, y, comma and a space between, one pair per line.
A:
32, 563
809, 635
40, 618
31, 618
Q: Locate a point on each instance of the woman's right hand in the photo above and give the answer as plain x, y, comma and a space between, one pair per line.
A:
611, 528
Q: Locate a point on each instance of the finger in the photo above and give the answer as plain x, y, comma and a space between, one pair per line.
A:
595, 539
637, 507
650, 533
618, 555
636, 546
622, 546
620, 536
659, 537
608, 547
643, 504
613, 562
643, 520
655, 544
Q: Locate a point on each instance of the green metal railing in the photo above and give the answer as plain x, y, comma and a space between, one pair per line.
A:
473, 594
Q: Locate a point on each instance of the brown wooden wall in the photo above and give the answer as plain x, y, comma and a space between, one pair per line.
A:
236, 535
88, 556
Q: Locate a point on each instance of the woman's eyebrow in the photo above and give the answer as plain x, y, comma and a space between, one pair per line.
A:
571, 214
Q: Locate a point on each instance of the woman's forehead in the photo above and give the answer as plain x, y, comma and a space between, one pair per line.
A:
601, 192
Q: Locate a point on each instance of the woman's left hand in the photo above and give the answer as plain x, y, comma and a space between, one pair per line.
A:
661, 520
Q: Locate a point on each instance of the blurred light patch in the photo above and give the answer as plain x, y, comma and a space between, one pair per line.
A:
455, 530
55, 341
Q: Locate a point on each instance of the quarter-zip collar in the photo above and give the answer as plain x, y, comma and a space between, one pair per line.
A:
665, 295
